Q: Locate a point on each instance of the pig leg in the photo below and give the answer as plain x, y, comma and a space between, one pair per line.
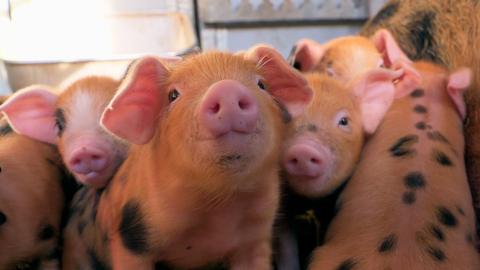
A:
287, 250
123, 259
256, 256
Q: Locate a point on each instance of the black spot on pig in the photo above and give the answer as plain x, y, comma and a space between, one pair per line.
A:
446, 217
414, 180
441, 158
437, 254
388, 244
436, 232
5, 130
95, 262
409, 197
60, 121
417, 93
347, 264
420, 109
3, 218
132, 228
312, 128
47, 232
421, 125
286, 116
402, 147
422, 28
81, 226
386, 12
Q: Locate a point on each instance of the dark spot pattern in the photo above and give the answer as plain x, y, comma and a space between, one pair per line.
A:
385, 13
409, 197
437, 232
5, 130
47, 232
81, 226
417, 93
420, 109
437, 254
312, 128
60, 121
132, 228
402, 147
285, 114
347, 265
422, 36
446, 217
421, 125
3, 218
388, 244
441, 158
415, 180
95, 262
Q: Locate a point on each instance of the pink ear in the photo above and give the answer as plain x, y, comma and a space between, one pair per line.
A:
283, 82
31, 112
388, 47
308, 53
133, 112
458, 82
375, 91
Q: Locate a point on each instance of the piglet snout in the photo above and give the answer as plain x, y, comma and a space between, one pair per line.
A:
228, 106
304, 160
87, 161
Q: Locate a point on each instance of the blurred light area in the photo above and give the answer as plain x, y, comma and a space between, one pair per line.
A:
45, 31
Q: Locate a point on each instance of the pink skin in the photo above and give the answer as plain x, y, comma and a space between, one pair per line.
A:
88, 161
228, 106
308, 160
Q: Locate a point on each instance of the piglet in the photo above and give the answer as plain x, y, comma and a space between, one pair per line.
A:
200, 185
322, 151
70, 119
31, 202
408, 204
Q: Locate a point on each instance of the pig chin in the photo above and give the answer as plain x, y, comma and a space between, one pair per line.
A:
94, 179
311, 187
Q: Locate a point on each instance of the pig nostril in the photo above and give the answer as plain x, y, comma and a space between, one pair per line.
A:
244, 105
215, 108
315, 161
96, 157
294, 161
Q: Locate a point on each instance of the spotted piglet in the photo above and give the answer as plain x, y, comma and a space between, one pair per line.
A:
322, 151
408, 204
31, 202
200, 185
70, 119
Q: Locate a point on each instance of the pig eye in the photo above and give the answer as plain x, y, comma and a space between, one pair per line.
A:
173, 95
343, 121
261, 85
60, 121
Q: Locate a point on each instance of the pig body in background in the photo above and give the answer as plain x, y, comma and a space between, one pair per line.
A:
71, 120
408, 204
323, 149
31, 202
201, 187
446, 32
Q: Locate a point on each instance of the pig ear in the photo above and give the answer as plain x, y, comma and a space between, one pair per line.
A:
306, 54
410, 79
133, 111
31, 112
458, 82
283, 82
375, 91
388, 47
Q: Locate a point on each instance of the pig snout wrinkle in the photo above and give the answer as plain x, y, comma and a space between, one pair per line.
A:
304, 160
228, 106
85, 161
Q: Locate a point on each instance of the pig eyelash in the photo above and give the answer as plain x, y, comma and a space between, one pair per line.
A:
60, 122
173, 95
